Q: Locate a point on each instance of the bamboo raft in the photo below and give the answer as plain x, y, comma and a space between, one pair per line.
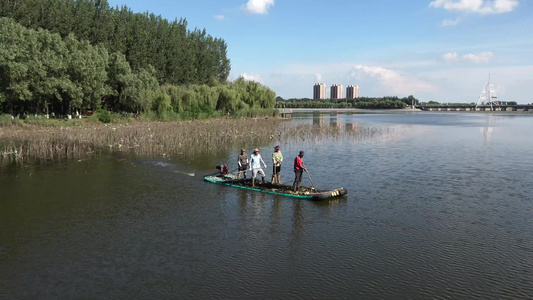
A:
309, 193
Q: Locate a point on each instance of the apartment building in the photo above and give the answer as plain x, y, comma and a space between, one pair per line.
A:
336, 91
319, 91
352, 92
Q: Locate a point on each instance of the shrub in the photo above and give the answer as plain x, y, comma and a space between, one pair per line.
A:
162, 104
5, 118
103, 116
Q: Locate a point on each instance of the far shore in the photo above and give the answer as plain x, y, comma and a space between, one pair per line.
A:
405, 110
350, 109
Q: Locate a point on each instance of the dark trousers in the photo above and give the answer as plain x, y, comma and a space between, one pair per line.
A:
297, 176
276, 169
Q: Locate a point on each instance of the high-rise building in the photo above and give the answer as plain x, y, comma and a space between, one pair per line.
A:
336, 91
319, 91
352, 92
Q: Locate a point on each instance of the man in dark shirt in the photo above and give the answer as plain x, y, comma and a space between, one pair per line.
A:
243, 163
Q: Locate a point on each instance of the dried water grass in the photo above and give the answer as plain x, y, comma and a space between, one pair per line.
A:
143, 138
184, 138
330, 133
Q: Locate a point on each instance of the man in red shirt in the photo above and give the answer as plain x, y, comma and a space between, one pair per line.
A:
299, 169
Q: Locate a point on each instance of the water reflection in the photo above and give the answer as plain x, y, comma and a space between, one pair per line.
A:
318, 120
488, 129
258, 211
486, 132
351, 127
298, 219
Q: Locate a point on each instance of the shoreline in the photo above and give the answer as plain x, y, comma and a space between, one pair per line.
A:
407, 110
349, 109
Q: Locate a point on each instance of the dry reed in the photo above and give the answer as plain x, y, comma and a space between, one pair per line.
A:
186, 138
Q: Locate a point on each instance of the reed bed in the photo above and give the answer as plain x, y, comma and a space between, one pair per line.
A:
184, 138
326, 134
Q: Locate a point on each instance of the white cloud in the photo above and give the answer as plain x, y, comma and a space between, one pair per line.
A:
450, 22
451, 56
257, 6
390, 80
318, 77
484, 7
252, 77
478, 58
219, 17
483, 57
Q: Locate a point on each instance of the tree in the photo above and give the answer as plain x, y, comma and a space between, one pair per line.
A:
179, 56
52, 79
87, 71
139, 96
228, 101
18, 47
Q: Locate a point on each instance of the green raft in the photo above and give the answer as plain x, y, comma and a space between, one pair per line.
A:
274, 188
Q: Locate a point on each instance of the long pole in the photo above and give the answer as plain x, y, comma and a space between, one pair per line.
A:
310, 178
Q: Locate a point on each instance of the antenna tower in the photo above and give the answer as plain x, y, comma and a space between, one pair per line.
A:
488, 96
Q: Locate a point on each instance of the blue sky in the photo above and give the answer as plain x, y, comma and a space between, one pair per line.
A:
441, 50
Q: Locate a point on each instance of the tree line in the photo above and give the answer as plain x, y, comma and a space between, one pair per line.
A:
435, 103
387, 102
42, 72
178, 55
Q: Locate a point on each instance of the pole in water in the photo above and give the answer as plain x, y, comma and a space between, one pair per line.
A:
310, 178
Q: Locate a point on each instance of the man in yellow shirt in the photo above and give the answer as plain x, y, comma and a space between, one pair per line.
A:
277, 158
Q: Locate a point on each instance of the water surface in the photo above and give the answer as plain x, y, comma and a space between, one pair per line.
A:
439, 206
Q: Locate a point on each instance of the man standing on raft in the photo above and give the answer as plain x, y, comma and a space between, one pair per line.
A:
243, 163
255, 165
277, 158
298, 170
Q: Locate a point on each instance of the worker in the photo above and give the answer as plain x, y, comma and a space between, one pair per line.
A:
299, 169
255, 165
277, 158
243, 163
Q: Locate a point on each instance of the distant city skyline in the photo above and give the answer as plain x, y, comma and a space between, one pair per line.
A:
440, 50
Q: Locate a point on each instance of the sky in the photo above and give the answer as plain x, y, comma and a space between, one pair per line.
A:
435, 50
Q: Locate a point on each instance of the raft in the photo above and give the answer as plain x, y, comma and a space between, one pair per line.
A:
308, 193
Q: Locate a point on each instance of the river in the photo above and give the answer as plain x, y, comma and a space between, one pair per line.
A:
439, 206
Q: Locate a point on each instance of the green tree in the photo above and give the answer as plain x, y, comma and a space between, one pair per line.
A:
139, 96
18, 48
228, 101
51, 79
87, 71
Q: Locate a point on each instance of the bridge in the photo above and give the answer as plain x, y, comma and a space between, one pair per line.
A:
523, 107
